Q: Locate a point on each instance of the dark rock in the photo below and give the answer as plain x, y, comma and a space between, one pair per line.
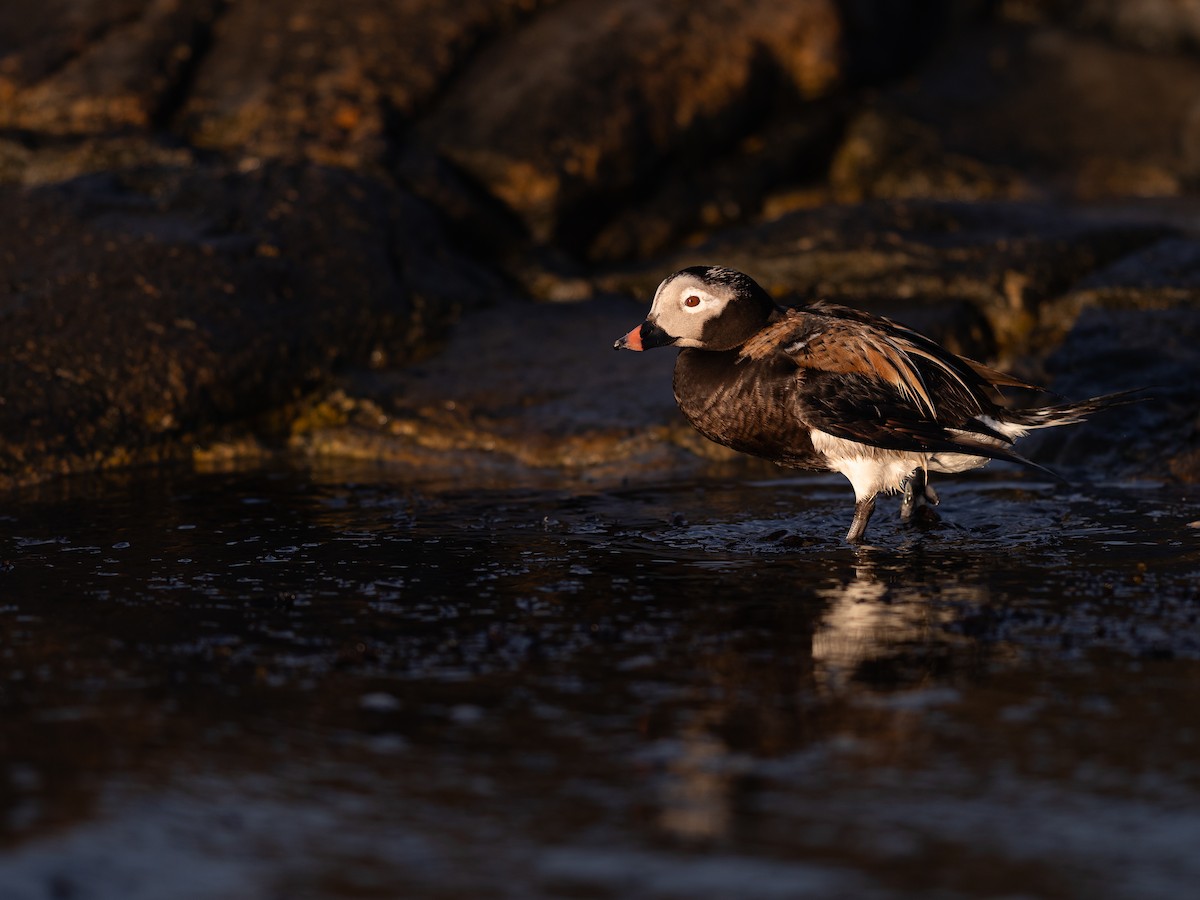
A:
1157, 25
143, 311
1112, 350
1091, 118
72, 68
886, 156
588, 103
1165, 273
478, 222
1139, 327
331, 80
64, 160
700, 196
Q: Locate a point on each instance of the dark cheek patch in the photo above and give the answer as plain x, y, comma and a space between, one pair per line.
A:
726, 330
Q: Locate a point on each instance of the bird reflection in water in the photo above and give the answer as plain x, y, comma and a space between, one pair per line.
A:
858, 624
880, 650
879, 617
696, 800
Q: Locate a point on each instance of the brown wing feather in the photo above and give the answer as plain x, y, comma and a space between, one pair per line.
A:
858, 346
850, 341
993, 377
996, 378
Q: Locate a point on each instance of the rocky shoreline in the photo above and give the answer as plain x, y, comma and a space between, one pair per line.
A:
410, 232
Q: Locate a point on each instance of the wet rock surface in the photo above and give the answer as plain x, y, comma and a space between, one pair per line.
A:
543, 390
147, 310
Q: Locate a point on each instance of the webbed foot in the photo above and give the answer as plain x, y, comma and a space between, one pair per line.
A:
919, 496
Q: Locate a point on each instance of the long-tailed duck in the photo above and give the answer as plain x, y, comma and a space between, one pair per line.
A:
828, 387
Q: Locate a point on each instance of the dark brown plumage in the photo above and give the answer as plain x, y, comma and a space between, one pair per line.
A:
832, 388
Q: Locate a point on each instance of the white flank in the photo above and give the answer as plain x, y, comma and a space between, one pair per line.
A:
870, 470
952, 463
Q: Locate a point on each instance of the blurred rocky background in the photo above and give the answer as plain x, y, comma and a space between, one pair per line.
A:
409, 230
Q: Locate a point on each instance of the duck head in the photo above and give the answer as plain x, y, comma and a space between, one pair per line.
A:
705, 307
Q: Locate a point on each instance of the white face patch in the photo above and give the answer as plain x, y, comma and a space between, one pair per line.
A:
683, 305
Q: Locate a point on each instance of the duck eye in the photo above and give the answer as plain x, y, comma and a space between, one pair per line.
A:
692, 301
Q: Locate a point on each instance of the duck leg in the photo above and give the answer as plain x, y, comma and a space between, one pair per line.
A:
862, 515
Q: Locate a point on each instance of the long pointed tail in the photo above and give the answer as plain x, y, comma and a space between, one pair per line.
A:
1071, 413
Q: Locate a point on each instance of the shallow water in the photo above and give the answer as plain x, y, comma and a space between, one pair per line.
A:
349, 683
